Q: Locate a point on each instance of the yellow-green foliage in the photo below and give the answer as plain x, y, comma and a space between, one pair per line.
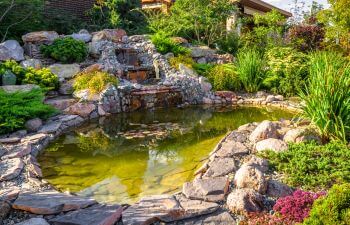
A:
224, 77
95, 82
184, 59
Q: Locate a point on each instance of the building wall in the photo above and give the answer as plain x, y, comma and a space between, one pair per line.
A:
75, 7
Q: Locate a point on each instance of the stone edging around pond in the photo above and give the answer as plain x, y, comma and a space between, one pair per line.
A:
22, 187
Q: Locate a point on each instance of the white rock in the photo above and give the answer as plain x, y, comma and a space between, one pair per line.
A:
264, 130
11, 49
273, 144
251, 177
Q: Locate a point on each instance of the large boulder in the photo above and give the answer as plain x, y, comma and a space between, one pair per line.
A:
44, 37
245, 201
65, 71
11, 49
114, 35
251, 177
201, 51
273, 144
81, 109
264, 130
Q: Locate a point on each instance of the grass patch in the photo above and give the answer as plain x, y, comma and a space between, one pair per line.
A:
95, 81
311, 166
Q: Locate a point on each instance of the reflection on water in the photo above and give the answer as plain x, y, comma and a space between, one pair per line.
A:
126, 156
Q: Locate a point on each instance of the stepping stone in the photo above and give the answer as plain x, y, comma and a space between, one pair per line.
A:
50, 202
34, 221
207, 189
10, 168
232, 148
218, 217
94, 215
220, 167
151, 209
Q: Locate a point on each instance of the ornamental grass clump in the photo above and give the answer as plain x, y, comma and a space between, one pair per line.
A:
95, 81
327, 95
251, 69
224, 77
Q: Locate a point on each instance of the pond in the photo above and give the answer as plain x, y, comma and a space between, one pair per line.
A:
120, 158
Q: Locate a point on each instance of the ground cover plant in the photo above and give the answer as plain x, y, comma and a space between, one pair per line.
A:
17, 108
223, 77
182, 59
312, 166
95, 81
327, 95
66, 50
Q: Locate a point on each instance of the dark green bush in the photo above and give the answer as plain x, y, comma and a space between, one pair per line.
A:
66, 50
42, 77
312, 166
287, 71
229, 43
327, 95
165, 45
224, 77
17, 108
333, 209
202, 68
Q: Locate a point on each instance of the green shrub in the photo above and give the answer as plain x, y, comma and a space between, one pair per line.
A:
229, 43
312, 166
224, 77
202, 68
251, 69
165, 45
42, 77
95, 81
181, 59
66, 50
333, 208
287, 70
17, 108
327, 95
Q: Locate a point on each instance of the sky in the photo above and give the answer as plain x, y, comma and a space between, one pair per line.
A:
287, 4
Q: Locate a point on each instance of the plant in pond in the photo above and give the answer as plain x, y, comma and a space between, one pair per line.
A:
182, 59
312, 166
224, 77
17, 108
333, 208
66, 50
251, 69
287, 70
95, 81
327, 95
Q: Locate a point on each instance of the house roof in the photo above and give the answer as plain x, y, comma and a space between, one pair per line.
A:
263, 6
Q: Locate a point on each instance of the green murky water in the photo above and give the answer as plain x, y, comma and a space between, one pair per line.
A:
126, 156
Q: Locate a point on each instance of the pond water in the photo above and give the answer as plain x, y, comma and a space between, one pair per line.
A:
127, 156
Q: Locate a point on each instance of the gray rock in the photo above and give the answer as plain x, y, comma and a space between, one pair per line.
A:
10, 168
35, 63
8, 78
66, 88
33, 125
270, 98
184, 70
273, 144
16, 88
277, 189
221, 167
61, 103
5, 209
244, 201
81, 109
11, 49
232, 148
52, 127
9, 194
50, 202
261, 164
10, 140
94, 215
207, 189
279, 98
18, 151
65, 71
251, 177
264, 130
85, 37
201, 51
42, 37
34, 221
216, 218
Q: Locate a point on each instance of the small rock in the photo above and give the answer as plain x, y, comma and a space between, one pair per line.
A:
11, 49
261, 164
270, 98
51, 127
201, 51
5, 209
244, 201
273, 144
65, 71
33, 125
34, 221
81, 109
85, 37
35, 63
279, 98
184, 70
66, 88
251, 177
10, 168
277, 189
232, 148
9, 140
61, 103
8, 78
221, 167
264, 130
46, 37
9, 194
114, 35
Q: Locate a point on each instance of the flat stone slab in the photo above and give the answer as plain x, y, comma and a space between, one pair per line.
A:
232, 148
219, 217
50, 202
17, 151
9, 194
221, 166
10, 168
207, 189
9, 140
151, 209
94, 215
34, 221
50, 127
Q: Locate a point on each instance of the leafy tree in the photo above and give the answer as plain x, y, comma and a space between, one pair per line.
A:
203, 21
